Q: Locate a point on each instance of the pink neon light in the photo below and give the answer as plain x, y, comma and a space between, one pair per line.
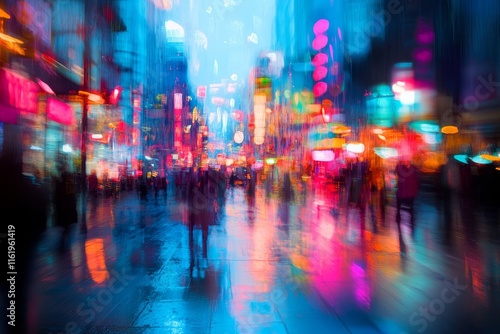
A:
320, 59
423, 55
319, 73
319, 42
323, 155
17, 91
321, 26
8, 114
60, 112
177, 100
320, 88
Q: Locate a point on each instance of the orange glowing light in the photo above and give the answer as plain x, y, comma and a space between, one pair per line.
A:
94, 251
490, 157
449, 129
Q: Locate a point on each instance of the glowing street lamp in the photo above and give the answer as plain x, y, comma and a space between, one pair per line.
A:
449, 129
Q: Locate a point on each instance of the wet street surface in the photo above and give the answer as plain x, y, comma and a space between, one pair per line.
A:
310, 265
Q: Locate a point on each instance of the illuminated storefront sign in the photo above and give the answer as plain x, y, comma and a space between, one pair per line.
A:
323, 156
178, 101
60, 112
17, 91
178, 120
259, 110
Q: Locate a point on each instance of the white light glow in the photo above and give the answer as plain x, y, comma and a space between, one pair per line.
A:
253, 38
407, 97
259, 100
432, 138
67, 148
397, 89
174, 30
355, 147
323, 156
386, 152
238, 137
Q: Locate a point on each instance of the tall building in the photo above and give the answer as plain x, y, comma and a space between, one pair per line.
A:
468, 51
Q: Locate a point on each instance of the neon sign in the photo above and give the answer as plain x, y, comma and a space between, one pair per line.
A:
59, 111
17, 91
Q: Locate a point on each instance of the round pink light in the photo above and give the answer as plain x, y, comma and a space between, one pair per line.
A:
320, 88
319, 73
423, 55
426, 37
320, 59
321, 26
319, 42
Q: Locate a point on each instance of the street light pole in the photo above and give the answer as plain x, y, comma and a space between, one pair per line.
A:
85, 110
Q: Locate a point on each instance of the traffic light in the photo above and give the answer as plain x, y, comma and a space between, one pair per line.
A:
115, 95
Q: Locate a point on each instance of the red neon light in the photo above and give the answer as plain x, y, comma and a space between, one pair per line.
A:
115, 96
60, 112
17, 91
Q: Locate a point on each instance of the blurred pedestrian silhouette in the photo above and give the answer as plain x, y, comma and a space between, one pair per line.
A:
356, 186
252, 182
93, 183
407, 188
143, 189
65, 212
287, 188
376, 196
200, 208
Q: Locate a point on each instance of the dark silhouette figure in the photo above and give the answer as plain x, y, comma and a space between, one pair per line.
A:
252, 183
200, 209
93, 183
65, 212
407, 188
287, 188
356, 179
143, 189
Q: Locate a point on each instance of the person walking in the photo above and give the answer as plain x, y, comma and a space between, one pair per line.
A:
407, 188
65, 204
93, 183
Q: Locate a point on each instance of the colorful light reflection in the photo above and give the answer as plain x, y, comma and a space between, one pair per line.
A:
94, 251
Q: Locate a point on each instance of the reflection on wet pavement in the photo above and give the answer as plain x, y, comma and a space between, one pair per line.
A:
272, 267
